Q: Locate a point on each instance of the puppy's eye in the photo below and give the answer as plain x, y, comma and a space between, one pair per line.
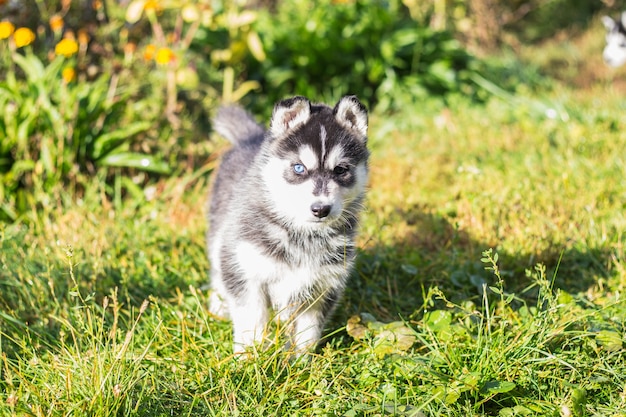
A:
299, 169
340, 170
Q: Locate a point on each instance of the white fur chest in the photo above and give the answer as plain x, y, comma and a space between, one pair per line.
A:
284, 283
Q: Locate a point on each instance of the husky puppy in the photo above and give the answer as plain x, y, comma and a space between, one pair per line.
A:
614, 53
283, 216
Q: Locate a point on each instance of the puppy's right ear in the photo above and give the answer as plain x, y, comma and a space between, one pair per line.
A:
289, 114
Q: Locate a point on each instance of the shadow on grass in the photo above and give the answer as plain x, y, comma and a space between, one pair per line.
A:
391, 280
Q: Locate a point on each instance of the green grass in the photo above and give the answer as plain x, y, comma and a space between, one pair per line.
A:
490, 281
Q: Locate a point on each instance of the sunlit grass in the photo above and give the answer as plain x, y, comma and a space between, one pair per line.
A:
103, 304
489, 281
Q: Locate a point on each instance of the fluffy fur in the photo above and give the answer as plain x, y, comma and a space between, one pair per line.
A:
283, 216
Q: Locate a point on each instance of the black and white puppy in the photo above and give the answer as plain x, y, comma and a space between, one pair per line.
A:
283, 216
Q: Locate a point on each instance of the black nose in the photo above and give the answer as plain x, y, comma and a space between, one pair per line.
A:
320, 210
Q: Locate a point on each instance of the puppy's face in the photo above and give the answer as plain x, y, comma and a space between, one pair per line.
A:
317, 169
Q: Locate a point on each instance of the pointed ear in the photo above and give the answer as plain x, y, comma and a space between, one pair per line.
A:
289, 114
608, 23
351, 114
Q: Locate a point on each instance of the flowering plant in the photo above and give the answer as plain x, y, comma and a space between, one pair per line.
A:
55, 128
114, 97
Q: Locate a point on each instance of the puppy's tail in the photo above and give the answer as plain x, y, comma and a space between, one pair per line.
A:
236, 124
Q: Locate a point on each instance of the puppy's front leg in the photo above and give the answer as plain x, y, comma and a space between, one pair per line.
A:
307, 330
250, 317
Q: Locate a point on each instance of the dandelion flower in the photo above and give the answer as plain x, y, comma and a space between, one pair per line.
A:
56, 23
164, 56
6, 29
66, 47
23, 37
68, 74
149, 52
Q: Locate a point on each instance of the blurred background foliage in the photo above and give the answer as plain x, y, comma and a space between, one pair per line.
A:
121, 92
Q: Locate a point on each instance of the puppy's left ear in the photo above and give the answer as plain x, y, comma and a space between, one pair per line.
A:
351, 114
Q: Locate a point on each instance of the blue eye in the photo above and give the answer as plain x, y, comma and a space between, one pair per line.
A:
299, 169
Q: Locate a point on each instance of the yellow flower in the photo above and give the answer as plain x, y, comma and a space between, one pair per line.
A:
164, 56
152, 5
6, 29
56, 23
149, 52
23, 37
66, 47
68, 74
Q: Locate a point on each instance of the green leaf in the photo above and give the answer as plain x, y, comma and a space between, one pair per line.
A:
610, 340
443, 73
21, 166
46, 156
394, 338
23, 130
409, 269
509, 298
447, 394
244, 89
564, 297
135, 160
471, 380
438, 320
11, 319
497, 387
517, 411
495, 290
31, 65
7, 212
579, 399
108, 142
256, 46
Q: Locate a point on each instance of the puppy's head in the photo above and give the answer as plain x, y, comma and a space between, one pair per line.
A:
316, 167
